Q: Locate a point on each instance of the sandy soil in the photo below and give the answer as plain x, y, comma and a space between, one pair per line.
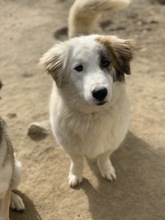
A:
27, 28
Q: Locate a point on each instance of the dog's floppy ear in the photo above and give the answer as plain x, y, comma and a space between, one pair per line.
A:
120, 52
54, 62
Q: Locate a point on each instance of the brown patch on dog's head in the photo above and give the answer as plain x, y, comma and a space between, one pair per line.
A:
53, 61
120, 53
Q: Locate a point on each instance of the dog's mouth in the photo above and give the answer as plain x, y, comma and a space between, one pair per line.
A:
101, 103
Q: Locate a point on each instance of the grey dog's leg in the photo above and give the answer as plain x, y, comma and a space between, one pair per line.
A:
4, 206
16, 201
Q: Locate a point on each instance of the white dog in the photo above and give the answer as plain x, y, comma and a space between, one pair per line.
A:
89, 106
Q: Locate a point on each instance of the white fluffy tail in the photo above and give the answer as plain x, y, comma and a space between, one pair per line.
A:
84, 14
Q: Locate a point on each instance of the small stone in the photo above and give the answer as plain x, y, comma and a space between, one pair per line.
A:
120, 28
12, 115
40, 129
139, 23
27, 75
143, 49
153, 22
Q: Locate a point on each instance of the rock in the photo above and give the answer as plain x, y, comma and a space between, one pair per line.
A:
38, 129
143, 49
11, 115
27, 75
61, 33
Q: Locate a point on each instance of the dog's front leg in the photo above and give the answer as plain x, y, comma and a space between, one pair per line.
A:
76, 169
105, 166
4, 206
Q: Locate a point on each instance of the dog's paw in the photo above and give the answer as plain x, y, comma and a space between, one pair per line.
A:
16, 203
74, 180
108, 172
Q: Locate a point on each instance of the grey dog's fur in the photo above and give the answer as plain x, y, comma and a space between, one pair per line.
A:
10, 170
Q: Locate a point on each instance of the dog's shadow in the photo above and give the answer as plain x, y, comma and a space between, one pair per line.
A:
138, 192
30, 212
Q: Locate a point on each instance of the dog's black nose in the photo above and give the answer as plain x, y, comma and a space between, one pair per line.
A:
100, 94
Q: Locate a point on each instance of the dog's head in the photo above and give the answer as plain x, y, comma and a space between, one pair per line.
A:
88, 67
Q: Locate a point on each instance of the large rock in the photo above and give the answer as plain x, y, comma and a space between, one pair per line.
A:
38, 129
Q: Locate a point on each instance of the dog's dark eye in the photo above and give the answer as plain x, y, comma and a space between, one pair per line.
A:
79, 68
105, 62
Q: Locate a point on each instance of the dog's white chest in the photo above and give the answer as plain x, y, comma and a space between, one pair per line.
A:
92, 134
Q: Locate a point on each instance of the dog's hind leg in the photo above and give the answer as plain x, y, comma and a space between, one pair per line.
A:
76, 169
16, 202
105, 166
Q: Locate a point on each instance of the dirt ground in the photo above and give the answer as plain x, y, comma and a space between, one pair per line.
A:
28, 29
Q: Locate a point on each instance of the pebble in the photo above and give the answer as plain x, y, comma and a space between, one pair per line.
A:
11, 115
38, 128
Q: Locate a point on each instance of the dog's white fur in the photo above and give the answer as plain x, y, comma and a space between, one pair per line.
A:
82, 124
10, 174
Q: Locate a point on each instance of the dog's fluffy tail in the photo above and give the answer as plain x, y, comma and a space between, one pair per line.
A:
84, 14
